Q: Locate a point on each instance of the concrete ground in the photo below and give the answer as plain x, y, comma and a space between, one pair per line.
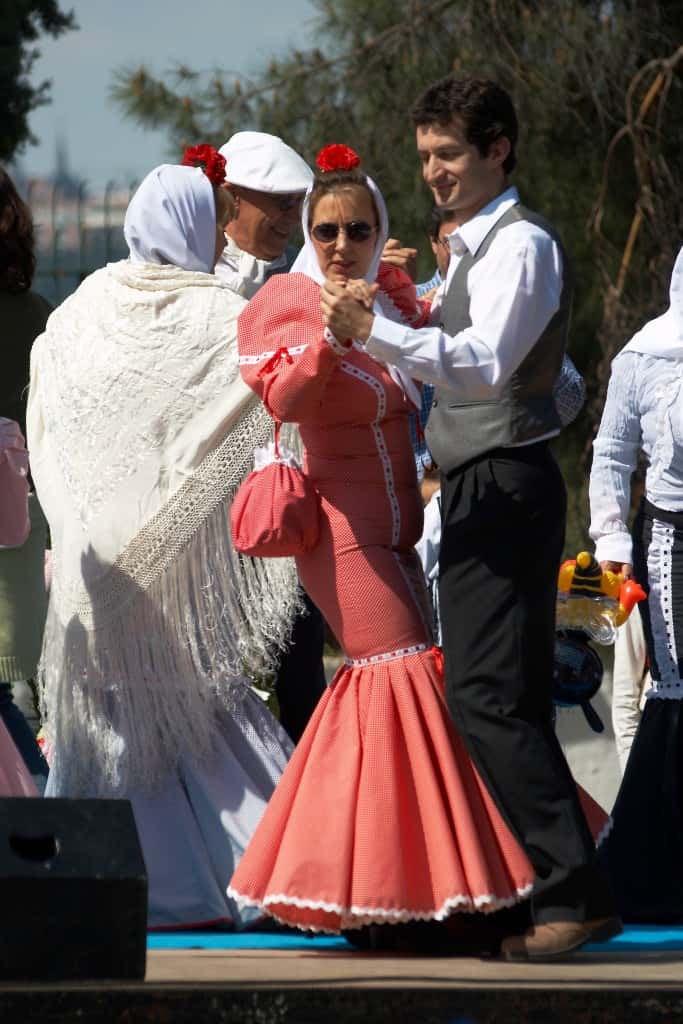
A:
592, 756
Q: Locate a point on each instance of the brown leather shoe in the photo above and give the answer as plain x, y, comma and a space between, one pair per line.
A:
555, 939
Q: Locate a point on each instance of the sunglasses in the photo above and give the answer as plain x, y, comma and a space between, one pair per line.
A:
355, 231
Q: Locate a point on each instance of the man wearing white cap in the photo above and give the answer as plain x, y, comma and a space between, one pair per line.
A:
268, 181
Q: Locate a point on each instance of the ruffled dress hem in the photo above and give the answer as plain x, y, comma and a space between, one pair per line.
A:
356, 917
381, 816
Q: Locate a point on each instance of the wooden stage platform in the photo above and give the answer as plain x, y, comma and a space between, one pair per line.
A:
300, 987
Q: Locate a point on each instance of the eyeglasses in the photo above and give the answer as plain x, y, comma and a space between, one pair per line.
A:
355, 231
288, 202
443, 241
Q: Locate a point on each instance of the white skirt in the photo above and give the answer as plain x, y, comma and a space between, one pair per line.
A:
195, 828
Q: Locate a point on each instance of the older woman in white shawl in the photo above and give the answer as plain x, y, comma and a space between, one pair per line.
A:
644, 413
140, 430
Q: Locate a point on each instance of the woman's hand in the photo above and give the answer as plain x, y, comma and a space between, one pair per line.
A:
625, 568
362, 291
347, 308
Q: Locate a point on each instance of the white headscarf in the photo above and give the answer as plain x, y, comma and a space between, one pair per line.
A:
663, 336
172, 219
307, 263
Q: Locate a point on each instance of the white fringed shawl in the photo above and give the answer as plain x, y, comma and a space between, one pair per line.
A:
140, 430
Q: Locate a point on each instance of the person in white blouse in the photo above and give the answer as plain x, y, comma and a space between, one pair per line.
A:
493, 352
644, 413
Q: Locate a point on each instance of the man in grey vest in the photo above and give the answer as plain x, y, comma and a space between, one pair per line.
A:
494, 353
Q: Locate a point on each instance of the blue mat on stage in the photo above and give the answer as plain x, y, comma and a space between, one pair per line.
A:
641, 938
245, 940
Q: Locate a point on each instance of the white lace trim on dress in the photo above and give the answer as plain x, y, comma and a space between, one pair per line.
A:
381, 445
262, 357
356, 916
335, 344
378, 659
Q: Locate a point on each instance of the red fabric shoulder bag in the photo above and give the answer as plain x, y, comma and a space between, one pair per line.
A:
276, 511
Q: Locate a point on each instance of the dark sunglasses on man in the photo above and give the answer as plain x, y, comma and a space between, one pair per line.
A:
287, 201
355, 231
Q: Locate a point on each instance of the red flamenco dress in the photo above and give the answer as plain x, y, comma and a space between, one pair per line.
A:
380, 816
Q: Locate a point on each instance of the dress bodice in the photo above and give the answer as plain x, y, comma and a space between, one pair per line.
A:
353, 416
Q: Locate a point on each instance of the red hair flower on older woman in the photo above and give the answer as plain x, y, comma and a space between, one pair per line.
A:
209, 159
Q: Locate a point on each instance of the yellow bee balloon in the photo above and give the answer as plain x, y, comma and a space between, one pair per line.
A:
594, 600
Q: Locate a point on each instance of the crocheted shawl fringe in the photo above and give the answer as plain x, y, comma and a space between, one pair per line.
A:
178, 627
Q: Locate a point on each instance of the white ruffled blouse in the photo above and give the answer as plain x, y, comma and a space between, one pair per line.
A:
643, 411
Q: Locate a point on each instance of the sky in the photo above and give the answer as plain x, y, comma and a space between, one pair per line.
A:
103, 145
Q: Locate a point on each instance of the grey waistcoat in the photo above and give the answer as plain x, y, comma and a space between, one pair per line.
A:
458, 431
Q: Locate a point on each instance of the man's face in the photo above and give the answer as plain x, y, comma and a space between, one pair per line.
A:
265, 222
460, 178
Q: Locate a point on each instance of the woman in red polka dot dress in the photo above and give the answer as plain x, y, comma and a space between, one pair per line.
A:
380, 816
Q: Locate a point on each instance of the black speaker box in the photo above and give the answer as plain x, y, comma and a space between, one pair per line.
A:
73, 890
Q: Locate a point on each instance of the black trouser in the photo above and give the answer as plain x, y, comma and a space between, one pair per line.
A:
503, 532
300, 679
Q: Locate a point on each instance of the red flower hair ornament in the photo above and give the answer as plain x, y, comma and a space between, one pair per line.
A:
209, 159
337, 157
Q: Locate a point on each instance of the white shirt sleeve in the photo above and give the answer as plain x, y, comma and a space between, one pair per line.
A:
628, 681
615, 453
514, 291
429, 543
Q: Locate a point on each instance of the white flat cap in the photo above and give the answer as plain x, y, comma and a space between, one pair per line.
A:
264, 163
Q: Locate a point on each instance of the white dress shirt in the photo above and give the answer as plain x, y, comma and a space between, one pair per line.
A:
643, 411
514, 292
428, 548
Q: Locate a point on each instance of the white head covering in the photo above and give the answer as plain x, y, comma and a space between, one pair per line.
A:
265, 163
172, 219
663, 336
307, 263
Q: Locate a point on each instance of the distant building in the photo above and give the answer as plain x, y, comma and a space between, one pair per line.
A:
76, 231
62, 178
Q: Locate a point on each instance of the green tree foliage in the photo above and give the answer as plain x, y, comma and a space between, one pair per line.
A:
598, 88
21, 23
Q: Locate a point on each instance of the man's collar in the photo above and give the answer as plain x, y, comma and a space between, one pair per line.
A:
232, 254
473, 232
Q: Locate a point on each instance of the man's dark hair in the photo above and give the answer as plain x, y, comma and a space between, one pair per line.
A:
484, 107
17, 258
436, 218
